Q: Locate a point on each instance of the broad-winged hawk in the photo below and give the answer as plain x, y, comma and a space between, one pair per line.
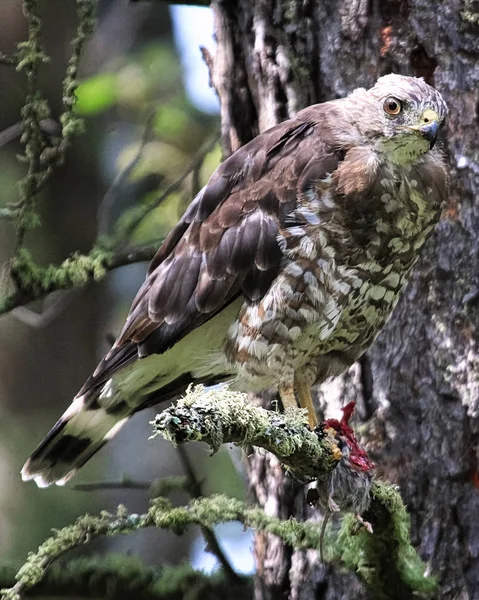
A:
281, 272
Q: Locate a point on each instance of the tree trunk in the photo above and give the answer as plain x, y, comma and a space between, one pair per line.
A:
418, 387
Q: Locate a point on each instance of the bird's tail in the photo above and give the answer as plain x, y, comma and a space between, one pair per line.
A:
92, 419
122, 385
80, 432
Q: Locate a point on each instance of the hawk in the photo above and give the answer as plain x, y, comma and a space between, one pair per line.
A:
282, 271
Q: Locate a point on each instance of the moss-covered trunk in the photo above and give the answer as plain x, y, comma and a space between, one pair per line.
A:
418, 387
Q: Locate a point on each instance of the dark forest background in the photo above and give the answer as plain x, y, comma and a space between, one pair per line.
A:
133, 85
417, 390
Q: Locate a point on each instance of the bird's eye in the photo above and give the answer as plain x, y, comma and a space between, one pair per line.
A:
392, 106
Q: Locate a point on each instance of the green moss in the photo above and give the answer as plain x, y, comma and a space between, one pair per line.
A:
220, 415
72, 272
118, 577
386, 560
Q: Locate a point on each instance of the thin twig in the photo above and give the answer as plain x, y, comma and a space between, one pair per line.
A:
212, 542
54, 305
195, 178
111, 195
198, 160
42, 157
85, 28
48, 126
157, 487
31, 56
111, 485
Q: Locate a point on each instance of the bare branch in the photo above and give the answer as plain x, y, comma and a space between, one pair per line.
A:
158, 487
111, 195
11, 133
196, 163
212, 542
53, 306
111, 485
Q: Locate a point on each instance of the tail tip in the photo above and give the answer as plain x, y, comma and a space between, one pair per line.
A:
45, 478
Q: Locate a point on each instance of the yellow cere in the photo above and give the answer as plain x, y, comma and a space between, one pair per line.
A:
429, 115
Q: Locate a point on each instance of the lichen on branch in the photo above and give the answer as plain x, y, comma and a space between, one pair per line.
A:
125, 577
33, 281
218, 416
42, 156
385, 560
371, 552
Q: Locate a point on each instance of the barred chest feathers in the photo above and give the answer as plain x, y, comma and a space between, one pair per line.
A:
348, 249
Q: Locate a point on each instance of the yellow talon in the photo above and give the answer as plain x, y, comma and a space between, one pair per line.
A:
337, 454
306, 400
335, 451
303, 391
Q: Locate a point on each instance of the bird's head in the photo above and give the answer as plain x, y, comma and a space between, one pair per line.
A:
401, 116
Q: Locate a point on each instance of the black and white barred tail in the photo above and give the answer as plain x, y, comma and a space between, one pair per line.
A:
122, 385
86, 426
81, 431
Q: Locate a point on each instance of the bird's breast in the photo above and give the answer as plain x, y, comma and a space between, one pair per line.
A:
345, 263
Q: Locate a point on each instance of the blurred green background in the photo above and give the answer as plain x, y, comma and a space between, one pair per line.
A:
131, 75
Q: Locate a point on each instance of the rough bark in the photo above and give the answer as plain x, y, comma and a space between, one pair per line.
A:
418, 387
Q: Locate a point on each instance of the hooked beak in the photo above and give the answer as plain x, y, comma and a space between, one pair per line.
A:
429, 126
429, 132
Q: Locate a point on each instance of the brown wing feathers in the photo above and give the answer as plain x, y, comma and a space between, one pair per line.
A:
225, 242
226, 245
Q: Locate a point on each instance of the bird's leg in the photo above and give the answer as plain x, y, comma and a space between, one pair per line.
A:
333, 507
306, 400
286, 393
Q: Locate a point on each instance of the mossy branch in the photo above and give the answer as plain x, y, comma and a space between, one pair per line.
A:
372, 552
218, 416
42, 156
33, 282
386, 560
44, 150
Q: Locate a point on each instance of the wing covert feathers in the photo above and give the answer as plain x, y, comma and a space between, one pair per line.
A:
223, 249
